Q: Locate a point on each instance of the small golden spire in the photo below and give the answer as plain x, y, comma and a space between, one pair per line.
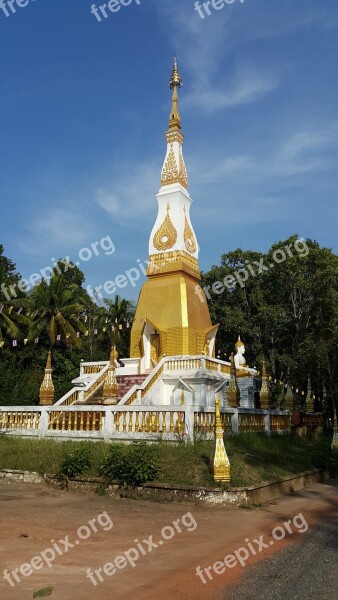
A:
111, 386
175, 83
47, 387
221, 460
264, 394
233, 393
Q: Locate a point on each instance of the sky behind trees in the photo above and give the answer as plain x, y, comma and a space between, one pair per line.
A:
84, 106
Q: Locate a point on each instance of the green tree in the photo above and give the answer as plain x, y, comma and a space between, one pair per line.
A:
56, 308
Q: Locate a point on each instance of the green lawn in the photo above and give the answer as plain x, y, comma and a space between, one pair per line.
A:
254, 458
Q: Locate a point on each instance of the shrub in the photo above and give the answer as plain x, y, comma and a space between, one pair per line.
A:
134, 465
75, 462
323, 456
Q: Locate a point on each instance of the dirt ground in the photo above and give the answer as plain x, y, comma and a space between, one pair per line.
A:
33, 518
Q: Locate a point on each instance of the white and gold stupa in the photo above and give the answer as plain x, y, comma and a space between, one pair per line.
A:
170, 318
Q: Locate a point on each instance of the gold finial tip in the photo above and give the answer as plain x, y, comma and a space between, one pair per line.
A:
49, 360
175, 79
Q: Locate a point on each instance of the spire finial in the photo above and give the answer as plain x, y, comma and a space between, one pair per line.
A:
175, 83
175, 79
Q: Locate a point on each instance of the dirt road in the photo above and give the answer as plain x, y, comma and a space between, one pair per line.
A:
96, 540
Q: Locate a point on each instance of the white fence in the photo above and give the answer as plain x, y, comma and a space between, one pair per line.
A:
136, 422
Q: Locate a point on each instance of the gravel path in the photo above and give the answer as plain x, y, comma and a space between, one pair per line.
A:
305, 571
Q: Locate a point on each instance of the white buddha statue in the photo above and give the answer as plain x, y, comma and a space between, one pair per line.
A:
240, 361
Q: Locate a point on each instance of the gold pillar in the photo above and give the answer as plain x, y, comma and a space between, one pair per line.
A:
233, 394
309, 402
221, 461
264, 393
110, 386
47, 387
289, 398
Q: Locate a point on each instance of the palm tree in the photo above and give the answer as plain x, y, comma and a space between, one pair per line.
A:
55, 308
117, 316
10, 321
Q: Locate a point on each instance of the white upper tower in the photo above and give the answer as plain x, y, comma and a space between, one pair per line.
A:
173, 239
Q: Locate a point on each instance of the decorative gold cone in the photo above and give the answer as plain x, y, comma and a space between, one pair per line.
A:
289, 398
221, 461
233, 394
47, 387
309, 401
264, 393
111, 386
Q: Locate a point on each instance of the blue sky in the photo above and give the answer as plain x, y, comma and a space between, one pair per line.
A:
84, 106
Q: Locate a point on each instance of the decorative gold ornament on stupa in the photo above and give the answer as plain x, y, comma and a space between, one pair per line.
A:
264, 394
166, 236
189, 238
111, 386
233, 393
170, 172
47, 386
183, 175
221, 460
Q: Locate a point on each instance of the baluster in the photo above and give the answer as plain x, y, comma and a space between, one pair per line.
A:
143, 422
172, 428
130, 422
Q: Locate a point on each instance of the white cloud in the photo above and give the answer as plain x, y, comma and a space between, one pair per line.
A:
130, 192
218, 79
56, 230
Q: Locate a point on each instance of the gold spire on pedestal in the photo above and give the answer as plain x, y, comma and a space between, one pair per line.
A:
47, 386
289, 398
110, 386
264, 393
233, 394
309, 401
221, 461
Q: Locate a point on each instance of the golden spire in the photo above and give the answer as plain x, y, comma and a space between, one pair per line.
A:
221, 461
264, 393
111, 386
175, 83
233, 393
47, 386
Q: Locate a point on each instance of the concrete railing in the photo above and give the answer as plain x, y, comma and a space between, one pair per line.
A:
136, 422
82, 394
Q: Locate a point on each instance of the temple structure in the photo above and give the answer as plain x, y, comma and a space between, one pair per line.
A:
171, 318
169, 385
172, 349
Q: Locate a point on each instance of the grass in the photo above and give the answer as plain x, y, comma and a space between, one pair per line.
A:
254, 458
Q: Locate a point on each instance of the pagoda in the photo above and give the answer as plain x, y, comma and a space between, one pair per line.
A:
171, 317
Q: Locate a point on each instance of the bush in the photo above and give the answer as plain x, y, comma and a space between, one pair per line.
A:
323, 456
133, 465
75, 462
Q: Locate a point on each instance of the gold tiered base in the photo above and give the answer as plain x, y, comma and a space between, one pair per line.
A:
171, 305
